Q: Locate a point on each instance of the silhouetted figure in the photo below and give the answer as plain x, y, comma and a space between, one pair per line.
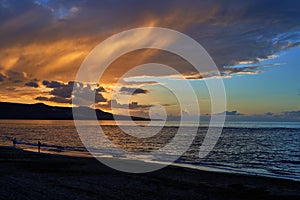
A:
14, 142
39, 146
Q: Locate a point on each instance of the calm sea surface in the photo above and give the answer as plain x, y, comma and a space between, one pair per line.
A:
263, 148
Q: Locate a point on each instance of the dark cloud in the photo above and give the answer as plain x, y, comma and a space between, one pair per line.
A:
269, 114
2, 76
238, 70
234, 112
17, 78
41, 98
292, 114
62, 93
100, 89
288, 116
17, 81
32, 84
227, 72
83, 92
52, 84
231, 31
19, 17
244, 31
133, 91
99, 98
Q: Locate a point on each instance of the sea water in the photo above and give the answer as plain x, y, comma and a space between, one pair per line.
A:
261, 148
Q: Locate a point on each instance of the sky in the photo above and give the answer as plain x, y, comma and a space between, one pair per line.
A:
255, 45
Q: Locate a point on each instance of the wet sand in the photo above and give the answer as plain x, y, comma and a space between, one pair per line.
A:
29, 175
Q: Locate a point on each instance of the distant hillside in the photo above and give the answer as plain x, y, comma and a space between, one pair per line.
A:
42, 111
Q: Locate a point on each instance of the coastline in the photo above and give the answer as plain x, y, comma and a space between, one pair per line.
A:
27, 174
201, 167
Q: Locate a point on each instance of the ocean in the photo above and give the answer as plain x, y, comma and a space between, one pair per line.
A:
259, 148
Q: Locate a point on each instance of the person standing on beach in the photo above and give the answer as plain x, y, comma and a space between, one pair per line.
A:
14, 142
39, 146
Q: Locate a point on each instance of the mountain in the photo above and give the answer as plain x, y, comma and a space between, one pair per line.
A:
42, 111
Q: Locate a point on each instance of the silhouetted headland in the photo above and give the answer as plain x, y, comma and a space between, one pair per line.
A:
41, 111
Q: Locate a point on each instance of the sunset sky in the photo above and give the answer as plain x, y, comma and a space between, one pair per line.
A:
255, 45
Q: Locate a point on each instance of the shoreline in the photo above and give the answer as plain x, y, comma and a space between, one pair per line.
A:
28, 174
201, 167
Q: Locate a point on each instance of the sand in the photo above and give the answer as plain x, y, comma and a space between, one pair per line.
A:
29, 175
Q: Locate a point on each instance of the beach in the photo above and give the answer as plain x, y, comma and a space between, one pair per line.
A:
30, 175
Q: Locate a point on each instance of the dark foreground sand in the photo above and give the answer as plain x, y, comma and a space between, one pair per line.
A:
27, 175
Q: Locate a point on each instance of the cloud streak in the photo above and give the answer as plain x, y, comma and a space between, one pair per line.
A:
133, 91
